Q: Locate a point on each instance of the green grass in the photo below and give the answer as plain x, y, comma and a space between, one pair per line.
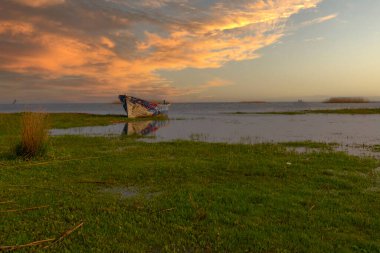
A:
191, 197
358, 111
375, 148
310, 144
10, 123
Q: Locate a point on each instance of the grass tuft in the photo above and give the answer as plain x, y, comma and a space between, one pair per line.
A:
34, 135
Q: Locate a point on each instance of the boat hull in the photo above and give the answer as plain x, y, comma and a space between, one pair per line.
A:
138, 108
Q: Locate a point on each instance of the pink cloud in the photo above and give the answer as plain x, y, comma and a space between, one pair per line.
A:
39, 3
120, 46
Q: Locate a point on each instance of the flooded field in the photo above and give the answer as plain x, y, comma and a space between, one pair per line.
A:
213, 122
343, 129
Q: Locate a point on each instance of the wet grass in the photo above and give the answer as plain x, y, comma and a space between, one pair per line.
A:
191, 197
375, 148
310, 144
357, 111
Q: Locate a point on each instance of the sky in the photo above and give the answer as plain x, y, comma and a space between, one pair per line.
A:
188, 50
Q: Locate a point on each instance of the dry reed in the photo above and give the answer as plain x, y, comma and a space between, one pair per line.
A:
34, 135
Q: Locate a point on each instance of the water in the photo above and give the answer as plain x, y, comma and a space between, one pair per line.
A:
184, 110
209, 122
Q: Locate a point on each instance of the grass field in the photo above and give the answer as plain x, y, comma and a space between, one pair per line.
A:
123, 195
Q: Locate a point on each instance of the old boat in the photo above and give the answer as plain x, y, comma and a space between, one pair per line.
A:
139, 108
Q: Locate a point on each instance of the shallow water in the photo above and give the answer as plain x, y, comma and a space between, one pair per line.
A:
141, 128
343, 129
209, 122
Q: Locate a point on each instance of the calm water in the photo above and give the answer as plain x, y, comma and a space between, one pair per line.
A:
208, 122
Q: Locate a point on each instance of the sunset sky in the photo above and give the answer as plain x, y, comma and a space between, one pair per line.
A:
188, 50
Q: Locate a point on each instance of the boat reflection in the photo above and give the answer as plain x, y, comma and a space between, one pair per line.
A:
143, 128
138, 128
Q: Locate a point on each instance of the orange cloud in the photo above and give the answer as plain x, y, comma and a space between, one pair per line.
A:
107, 42
39, 3
117, 46
15, 28
217, 82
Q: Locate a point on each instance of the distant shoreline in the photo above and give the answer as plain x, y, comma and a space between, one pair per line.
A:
347, 100
357, 111
253, 102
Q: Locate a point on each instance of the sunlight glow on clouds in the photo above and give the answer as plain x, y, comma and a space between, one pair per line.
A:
102, 47
40, 3
320, 19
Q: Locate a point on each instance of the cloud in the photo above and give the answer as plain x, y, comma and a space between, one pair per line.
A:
113, 46
315, 39
14, 28
39, 3
216, 83
325, 18
319, 20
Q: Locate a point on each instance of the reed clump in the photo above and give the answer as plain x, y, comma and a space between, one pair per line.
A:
34, 135
347, 100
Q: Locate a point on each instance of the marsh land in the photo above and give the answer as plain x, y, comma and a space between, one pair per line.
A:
116, 193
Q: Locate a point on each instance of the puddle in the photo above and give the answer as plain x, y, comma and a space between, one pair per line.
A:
359, 150
354, 150
303, 150
131, 192
124, 192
